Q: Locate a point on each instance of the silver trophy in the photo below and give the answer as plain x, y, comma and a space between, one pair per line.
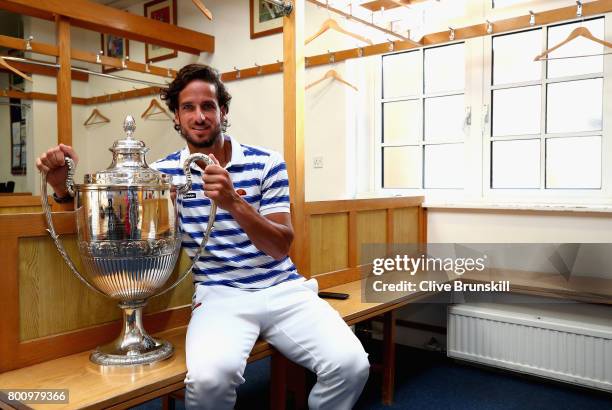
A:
129, 240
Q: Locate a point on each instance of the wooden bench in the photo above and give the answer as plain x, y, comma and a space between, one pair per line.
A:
93, 387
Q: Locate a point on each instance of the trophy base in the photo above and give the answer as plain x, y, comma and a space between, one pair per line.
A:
109, 355
134, 346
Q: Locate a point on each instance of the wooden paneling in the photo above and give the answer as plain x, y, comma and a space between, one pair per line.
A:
64, 83
20, 209
346, 205
92, 16
338, 229
406, 225
48, 313
20, 204
371, 235
293, 129
328, 243
53, 300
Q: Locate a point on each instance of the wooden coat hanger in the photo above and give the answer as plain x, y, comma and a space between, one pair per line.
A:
331, 24
203, 9
6, 65
154, 105
577, 32
96, 117
333, 74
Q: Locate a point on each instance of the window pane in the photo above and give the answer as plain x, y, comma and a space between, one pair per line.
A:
402, 75
574, 106
516, 164
516, 111
444, 69
444, 117
444, 166
401, 167
577, 47
513, 57
573, 162
401, 122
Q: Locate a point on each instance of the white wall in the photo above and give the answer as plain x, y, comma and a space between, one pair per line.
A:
332, 124
489, 226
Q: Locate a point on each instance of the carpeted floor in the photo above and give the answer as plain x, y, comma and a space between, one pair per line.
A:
429, 380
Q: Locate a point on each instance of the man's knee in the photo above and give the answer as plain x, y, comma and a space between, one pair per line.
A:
215, 375
349, 366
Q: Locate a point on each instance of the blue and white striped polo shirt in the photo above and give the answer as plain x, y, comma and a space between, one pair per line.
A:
231, 259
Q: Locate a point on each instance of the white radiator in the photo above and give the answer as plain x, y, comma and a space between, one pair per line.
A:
570, 342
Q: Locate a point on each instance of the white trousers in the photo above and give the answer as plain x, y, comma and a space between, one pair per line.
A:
292, 318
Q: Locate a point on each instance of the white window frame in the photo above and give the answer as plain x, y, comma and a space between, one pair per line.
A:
469, 144
478, 60
543, 195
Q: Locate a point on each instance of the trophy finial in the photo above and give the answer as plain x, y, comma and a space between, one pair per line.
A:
129, 126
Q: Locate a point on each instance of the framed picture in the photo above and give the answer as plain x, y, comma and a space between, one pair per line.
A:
266, 18
18, 148
114, 46
162, 10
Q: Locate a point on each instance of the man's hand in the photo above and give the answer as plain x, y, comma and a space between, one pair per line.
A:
218, 186
53, 163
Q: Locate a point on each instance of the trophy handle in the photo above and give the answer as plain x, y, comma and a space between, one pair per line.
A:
51, 227
183, 189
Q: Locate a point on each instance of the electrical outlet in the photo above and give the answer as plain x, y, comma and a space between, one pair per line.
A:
317, 162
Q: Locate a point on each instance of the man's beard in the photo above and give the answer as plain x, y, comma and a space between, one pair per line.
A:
216, 135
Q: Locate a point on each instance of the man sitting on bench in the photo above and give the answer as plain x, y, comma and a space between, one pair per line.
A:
245, 286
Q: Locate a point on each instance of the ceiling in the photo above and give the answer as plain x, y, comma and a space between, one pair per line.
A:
118, 4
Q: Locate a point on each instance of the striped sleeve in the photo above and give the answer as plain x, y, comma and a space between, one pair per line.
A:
275, 187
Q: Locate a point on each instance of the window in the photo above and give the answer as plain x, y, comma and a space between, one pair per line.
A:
547, 117
423, 114
537, 133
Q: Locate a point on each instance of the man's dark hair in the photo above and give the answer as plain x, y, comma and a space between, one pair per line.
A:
195, 72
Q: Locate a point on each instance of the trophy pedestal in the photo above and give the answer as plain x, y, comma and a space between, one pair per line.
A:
134, 345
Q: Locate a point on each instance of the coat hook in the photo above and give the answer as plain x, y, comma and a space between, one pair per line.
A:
451, 35
99, 55
489, 27
169, 73
391, 45
531, 18
578, 8
237, 72
147, 69
259, 69
124, 61
332, 57
28, 45
360, 51
281, 64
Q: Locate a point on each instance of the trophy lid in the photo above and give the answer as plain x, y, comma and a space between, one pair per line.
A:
129, 166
